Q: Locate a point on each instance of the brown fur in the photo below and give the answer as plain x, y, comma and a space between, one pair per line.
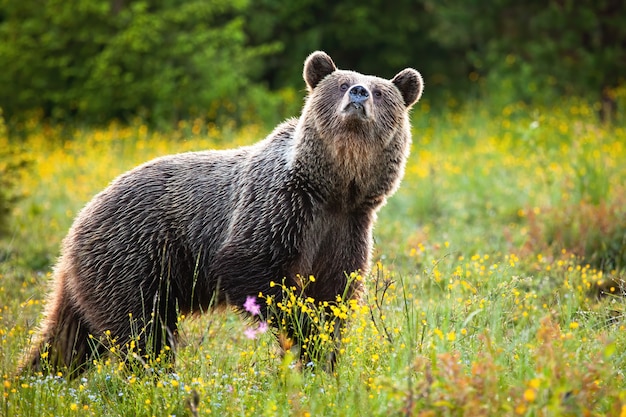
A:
187, 232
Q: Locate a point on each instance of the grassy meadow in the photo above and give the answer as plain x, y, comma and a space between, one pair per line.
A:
497, 289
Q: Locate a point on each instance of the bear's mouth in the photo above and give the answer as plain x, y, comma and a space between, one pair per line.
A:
355, 110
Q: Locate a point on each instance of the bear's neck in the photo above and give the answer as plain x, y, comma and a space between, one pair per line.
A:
344, 174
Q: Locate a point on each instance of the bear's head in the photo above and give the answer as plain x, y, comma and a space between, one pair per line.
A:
347, 104
357, 125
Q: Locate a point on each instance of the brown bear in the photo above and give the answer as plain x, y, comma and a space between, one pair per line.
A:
187, 232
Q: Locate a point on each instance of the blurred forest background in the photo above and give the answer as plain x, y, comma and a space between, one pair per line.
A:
92, 61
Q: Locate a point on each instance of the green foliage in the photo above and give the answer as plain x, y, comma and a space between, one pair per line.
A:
94, 61
537, 50
370, 37
530, 51
98, 60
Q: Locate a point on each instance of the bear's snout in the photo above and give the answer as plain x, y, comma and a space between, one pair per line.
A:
356, 103
358, 94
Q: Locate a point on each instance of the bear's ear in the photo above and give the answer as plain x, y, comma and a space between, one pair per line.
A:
410, 84
317, 66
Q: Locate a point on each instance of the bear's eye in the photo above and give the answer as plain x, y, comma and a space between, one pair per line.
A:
344, 87
378, 94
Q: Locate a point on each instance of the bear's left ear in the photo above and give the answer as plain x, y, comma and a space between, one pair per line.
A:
317, 66
410, 84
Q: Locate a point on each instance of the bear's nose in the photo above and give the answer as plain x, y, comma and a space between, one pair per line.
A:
358, 94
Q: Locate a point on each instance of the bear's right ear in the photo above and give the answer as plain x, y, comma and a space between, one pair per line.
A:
317, 66
410, 84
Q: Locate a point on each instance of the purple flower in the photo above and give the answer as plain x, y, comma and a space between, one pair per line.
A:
262, 327
250, 333
251, 306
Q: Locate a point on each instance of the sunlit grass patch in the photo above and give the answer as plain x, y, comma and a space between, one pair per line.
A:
596, 233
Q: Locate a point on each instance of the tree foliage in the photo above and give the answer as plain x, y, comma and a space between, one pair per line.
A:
98, 59
554, 47
165, 60
533, 50
373, 37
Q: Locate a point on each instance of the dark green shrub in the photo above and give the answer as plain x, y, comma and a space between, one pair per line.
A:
98, 60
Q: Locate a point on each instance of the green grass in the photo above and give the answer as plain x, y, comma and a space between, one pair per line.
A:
497, 289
